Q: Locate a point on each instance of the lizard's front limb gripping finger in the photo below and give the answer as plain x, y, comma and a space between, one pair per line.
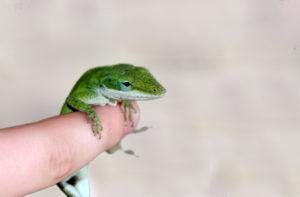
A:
128, 110
97, 128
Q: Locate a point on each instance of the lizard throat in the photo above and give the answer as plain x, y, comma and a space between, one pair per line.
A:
130, 95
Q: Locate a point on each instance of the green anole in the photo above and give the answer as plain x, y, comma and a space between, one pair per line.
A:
106, 85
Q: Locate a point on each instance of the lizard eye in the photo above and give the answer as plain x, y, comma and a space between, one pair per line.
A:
126, 84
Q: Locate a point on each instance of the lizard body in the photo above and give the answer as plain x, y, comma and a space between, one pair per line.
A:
106, 85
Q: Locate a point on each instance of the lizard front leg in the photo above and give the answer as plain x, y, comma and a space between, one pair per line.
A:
128, 110
78, 104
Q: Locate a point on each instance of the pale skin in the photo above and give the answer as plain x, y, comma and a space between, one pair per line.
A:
50, 150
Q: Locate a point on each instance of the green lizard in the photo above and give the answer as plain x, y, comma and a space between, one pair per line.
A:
101, 86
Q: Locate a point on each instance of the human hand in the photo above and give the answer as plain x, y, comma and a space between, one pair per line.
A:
38, 155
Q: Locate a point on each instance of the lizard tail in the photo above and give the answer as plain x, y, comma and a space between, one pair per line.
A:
76, 185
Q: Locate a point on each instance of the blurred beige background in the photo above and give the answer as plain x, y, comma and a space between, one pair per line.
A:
229, 125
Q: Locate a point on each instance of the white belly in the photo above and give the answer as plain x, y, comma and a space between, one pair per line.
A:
100, 100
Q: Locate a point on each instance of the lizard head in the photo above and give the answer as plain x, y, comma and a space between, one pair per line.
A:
128, 82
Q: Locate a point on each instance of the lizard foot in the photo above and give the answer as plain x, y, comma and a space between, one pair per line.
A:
128, 110
96, 128
130, 152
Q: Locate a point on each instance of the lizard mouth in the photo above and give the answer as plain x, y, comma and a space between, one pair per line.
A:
129, 95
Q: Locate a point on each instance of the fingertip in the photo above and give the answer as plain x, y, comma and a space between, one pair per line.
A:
113, 120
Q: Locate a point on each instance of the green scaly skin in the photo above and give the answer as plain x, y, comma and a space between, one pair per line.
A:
101, 86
